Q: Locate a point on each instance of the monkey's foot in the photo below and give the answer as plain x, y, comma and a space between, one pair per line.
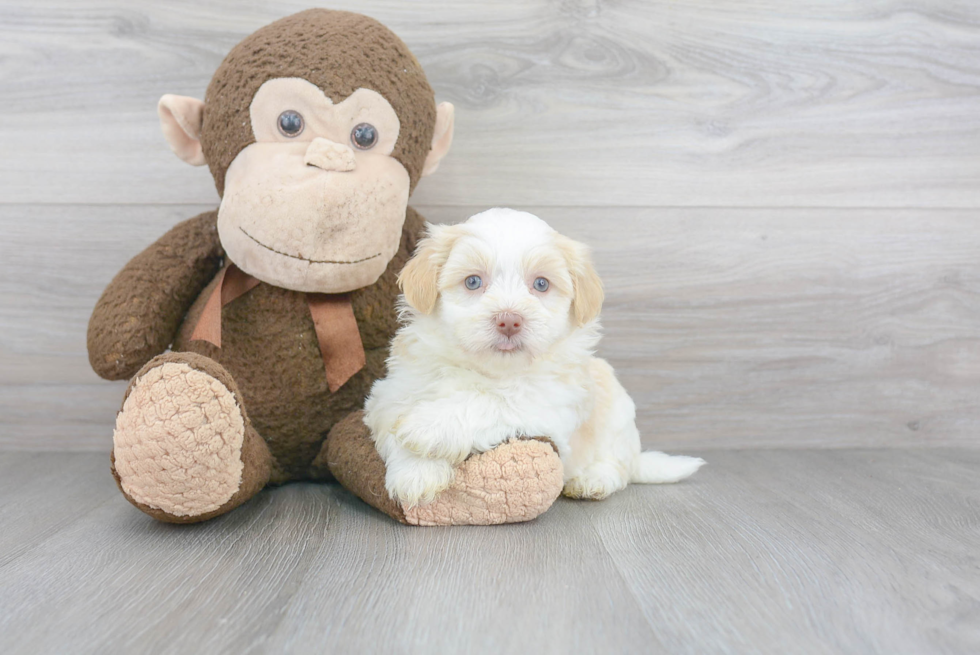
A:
516, 481
183, 448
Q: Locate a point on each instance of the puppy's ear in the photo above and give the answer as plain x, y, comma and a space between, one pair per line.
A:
419, 280
587, 286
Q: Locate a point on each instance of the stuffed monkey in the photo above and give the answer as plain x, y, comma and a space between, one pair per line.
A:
277, 308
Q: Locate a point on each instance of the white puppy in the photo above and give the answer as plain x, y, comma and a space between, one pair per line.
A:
500, 328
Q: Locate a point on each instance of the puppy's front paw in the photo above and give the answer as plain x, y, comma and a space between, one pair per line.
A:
431, 431
417, 480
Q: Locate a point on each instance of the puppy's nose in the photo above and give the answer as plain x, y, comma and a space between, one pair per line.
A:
329, 155
508, 323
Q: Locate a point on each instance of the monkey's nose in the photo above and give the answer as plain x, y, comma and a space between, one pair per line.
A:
508, 323
329, 155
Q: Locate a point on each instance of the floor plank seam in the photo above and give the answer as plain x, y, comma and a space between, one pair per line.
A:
623, 578
47, 536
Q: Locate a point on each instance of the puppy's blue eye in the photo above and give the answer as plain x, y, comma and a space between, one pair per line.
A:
473, 282
541, 284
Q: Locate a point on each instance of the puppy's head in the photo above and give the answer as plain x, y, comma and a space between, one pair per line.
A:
503, 283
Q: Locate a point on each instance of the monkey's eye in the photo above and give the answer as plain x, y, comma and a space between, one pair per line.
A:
364, 136
473, 282
290, 123
541, 284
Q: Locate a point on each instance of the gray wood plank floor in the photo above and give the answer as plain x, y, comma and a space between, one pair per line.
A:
804, 551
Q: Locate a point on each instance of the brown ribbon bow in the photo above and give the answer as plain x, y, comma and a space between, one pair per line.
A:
333, 319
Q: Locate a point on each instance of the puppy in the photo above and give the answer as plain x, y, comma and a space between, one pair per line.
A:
499, 329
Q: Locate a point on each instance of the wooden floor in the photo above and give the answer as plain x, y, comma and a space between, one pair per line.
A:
802, 551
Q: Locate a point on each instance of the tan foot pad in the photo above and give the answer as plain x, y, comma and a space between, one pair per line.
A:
178, 441
514, 482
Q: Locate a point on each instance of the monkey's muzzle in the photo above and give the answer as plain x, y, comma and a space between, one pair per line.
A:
329, 155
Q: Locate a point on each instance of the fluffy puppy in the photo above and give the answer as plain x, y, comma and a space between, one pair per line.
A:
500, 325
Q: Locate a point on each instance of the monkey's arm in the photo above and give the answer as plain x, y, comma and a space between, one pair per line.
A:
140, 311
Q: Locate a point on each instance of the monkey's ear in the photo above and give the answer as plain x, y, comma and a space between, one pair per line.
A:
442, 137
419, 280
181, 118
588, 294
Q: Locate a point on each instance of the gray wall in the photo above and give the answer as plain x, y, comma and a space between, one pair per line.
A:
782, 196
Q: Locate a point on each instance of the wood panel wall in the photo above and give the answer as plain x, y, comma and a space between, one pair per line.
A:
782, 197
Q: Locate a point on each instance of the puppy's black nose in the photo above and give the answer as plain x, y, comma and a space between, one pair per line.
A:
508, 323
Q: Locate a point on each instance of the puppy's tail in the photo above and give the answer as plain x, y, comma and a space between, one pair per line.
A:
652, 467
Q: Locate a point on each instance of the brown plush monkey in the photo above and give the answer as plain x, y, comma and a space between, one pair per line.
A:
278, 307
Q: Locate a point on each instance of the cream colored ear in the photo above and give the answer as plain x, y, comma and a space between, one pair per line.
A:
181, 118
588, 294
442, 137
419, 280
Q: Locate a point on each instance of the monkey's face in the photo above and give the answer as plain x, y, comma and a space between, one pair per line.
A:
317, 203
317, 128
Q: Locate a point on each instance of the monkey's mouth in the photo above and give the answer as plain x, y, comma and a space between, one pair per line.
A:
304, 259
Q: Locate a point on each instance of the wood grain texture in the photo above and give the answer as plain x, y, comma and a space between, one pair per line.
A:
577, 102
729, 327
650, 129
820, 552
857, 551
46, 493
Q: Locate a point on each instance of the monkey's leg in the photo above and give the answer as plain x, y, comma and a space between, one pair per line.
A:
514, 482
183, 449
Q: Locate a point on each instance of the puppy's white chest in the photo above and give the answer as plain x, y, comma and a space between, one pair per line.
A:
548, 408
